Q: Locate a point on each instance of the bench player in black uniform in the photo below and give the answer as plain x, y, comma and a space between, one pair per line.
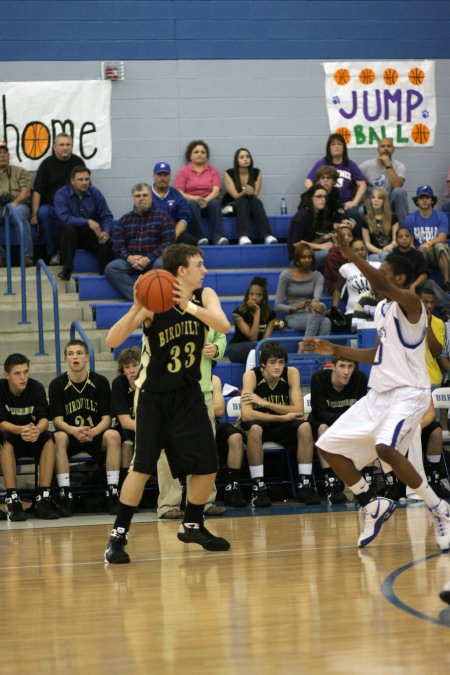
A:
272, 410
24, 416
80, 404
122, 402
171, 412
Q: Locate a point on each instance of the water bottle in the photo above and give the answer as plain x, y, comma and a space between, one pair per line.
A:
283, 206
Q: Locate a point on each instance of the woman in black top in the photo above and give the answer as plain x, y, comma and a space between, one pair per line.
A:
380, 226
243, 184
253, 321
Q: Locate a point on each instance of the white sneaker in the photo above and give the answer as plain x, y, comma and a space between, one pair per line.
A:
223, 241
445, 593
441, 518
203, 242
245, 240
270, 239
374, 515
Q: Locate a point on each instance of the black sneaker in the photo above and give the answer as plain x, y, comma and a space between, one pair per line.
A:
306, 494
112, 499
334, 489
64, 275
392, 489
233, 496
435, 481
14, 512
44, 506
114, 553
193, 533
65, 502
3, 515
260, 498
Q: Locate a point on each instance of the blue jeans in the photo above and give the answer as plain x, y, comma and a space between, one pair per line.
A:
123, 277
23, 213
48, 224
213, 212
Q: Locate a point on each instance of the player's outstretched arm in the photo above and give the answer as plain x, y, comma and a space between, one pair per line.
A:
318, 346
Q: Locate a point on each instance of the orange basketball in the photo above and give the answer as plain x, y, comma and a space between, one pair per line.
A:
390, 76
342, 76
35, 140
420, 134
367, 76
416, 76
154, 290
346, 133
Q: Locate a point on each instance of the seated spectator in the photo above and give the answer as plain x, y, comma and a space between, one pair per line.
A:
307, 225
243, 184
446, 195
389, 174
200, 184
432, 448
80, 405
351, 182
272, 410
333, 391
435, 337
253, 321
167, 198
84, 221
405, 248
24, 417
354, 281
15, 189
328, 176
122, 403
379, 226
335, 259
298, 295
429, 229
53, 172
138, 241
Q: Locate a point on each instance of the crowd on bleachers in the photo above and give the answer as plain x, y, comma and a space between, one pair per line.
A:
367, 204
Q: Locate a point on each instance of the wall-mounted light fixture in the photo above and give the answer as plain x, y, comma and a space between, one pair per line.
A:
113, 70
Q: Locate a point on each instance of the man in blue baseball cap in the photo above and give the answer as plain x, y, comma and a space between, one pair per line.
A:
167, 198
429, 229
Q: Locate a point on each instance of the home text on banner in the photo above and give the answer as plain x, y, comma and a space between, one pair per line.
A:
367, 101
33, 113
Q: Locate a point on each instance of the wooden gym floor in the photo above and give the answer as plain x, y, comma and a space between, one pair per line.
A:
293, 595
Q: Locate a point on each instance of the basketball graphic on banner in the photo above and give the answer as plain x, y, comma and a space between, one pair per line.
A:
390, 76
342, 76
420, 134
345, 132
367, 76
416, 76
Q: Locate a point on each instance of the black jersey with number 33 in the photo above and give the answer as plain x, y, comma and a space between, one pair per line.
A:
172, 349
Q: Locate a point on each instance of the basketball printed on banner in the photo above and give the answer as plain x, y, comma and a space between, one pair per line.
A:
367, 76
345, 133
420, 134
154, 290
390, 76
342, 76
35, 140
416, 76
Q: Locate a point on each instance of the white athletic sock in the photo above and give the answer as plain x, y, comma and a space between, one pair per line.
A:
433, 459
112, 477
63, 479
359, 487
428, 494
305, 469
257, 471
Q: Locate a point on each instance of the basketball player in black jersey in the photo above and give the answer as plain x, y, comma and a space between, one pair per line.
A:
80, 403
171, 412
24, 419
122, 402
272, 410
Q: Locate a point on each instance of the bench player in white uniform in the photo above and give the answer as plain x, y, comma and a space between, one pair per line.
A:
383, 422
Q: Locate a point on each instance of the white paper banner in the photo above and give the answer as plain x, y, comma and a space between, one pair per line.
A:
33, 113
371, 100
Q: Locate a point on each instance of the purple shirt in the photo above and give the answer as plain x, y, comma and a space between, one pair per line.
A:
348, 174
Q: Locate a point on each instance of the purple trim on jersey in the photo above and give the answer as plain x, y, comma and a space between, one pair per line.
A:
385, 307
404, 343
396, 433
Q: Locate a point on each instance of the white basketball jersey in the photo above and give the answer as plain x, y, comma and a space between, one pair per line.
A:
398, 362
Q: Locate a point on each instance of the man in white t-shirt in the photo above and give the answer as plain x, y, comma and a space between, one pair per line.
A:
354, 281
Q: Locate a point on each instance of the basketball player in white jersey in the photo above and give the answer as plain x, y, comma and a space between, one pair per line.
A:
383, 422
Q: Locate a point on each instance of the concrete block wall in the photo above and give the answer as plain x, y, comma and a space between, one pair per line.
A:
235, 73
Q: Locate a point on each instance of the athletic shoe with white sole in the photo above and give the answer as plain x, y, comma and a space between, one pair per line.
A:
374, 514
441, 518
445, 593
